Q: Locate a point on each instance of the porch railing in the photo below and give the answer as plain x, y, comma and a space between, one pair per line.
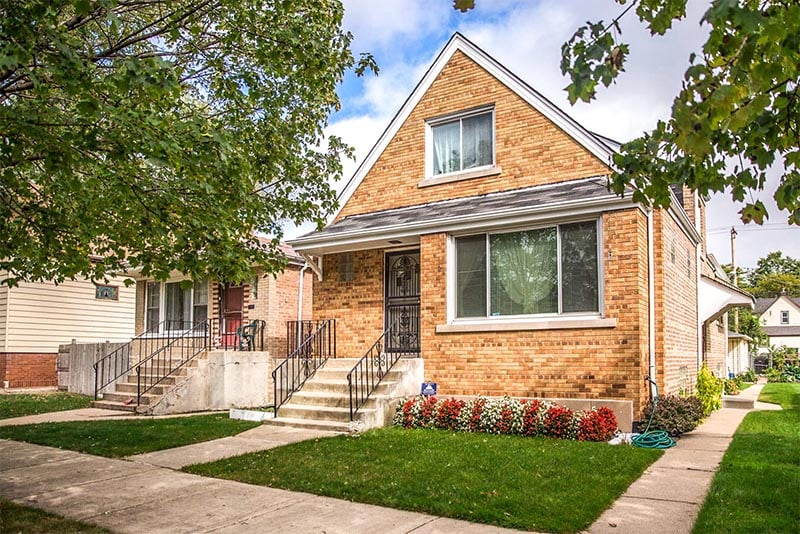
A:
301, 364
165, 337
118, 363
164, 362
367, 374
299, 331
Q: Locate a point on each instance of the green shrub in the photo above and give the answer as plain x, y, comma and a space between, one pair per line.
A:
732, 386
748, 376
789, 373
673, 414
709, 390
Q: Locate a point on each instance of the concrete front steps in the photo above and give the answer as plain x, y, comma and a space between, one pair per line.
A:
122, 395
324, 401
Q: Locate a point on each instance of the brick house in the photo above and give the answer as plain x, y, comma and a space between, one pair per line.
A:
169, 304
480, 235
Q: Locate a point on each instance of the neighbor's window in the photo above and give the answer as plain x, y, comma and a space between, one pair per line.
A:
172, 307
543, 271
104, 292
785, 317
463, 143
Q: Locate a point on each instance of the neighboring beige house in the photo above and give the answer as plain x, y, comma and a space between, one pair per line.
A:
480, 235
37, 317
780, 318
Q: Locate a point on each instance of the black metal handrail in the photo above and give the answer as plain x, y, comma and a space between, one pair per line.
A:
160, 364
366, 375
301, 364
119, 362
298, 331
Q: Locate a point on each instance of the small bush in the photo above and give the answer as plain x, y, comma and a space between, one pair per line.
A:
709, 390
789, 373
748, 376
506, 416
732, 386
674, 415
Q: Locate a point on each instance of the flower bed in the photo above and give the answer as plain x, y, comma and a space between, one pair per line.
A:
507, 416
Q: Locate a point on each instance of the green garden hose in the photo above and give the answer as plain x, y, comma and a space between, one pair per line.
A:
653, 439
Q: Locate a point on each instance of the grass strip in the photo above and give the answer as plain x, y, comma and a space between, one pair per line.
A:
510, 481
21, 404
119, 438
21, 519
757, 486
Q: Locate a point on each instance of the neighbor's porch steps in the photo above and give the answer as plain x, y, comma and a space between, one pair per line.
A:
324, 401
122, 395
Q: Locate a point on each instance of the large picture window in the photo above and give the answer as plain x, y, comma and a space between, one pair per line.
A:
550, 270
172, 307
463, 143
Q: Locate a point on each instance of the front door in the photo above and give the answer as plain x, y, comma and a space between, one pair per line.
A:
232, 304
402, 301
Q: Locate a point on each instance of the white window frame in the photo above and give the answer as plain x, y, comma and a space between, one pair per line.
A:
785, 313
453, 117
162, 303
452, 275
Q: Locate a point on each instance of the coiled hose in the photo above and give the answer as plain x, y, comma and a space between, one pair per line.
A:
653, 439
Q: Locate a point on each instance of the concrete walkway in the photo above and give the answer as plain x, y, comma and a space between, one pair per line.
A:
86, 414
145, 493
670, 493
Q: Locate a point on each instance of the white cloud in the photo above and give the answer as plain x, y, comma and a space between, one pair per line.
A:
392, 24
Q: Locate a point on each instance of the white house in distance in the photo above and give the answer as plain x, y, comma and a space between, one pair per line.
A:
780, 317
37, 317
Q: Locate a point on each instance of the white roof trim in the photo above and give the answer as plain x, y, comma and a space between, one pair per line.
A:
458, 42
717, 298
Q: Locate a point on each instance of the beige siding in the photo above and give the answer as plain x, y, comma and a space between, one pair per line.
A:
772, 315
3, 314
40, 316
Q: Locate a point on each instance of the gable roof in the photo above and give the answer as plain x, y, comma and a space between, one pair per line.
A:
764, 303
601, 147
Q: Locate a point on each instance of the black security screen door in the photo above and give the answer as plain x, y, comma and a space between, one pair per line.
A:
402, 301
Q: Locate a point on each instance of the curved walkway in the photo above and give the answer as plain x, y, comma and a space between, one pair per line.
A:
145, 493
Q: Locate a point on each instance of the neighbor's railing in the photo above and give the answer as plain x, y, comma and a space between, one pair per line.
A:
162, 363
301, 364
366, 375
118, 363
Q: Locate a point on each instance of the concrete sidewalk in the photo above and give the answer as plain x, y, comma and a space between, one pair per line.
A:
670, 493
87, 414
145, 493
127, 496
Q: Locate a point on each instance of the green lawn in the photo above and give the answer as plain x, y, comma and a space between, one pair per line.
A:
529, 483
24, 519
20, 404
127, 437
757, 487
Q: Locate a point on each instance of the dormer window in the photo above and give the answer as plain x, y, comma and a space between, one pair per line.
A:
462, 142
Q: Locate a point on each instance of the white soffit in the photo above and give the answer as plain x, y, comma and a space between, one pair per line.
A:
458, 42
716, 298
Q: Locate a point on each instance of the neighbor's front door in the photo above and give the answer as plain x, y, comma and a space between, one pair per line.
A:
402, 301
232, 305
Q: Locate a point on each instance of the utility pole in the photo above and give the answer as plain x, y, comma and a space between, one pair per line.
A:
735, 277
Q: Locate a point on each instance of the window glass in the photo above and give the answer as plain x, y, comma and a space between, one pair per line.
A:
524, 272
471, 276
153, 302
200, 301
177, 304
785, 317
476, 141
579, 280
447, 147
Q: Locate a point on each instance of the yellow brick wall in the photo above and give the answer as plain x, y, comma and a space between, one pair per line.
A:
588, 363
676, 305
530, 149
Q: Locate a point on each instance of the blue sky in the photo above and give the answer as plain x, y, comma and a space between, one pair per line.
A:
526, 36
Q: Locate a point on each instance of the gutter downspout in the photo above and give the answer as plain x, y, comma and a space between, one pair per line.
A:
651, 304
698, 274
300, 304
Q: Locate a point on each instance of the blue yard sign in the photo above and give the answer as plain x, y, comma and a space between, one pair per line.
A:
429, 388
